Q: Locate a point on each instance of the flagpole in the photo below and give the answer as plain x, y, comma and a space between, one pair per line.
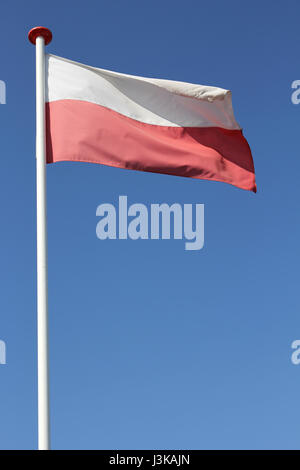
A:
40, 37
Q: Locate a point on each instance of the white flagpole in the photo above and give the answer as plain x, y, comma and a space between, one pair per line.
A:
40, 37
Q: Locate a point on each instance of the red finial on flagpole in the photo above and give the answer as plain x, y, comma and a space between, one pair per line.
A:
40, 31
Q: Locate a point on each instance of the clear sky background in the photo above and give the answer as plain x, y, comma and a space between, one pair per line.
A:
152, 346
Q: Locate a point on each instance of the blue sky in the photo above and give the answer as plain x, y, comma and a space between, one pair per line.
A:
152, 346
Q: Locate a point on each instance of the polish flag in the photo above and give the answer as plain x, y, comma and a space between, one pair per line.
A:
162, 126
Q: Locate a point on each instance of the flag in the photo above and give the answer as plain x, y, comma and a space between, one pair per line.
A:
125, 121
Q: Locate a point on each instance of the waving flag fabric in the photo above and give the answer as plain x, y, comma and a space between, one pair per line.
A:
161, 126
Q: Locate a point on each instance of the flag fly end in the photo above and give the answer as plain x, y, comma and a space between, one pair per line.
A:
40, 31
